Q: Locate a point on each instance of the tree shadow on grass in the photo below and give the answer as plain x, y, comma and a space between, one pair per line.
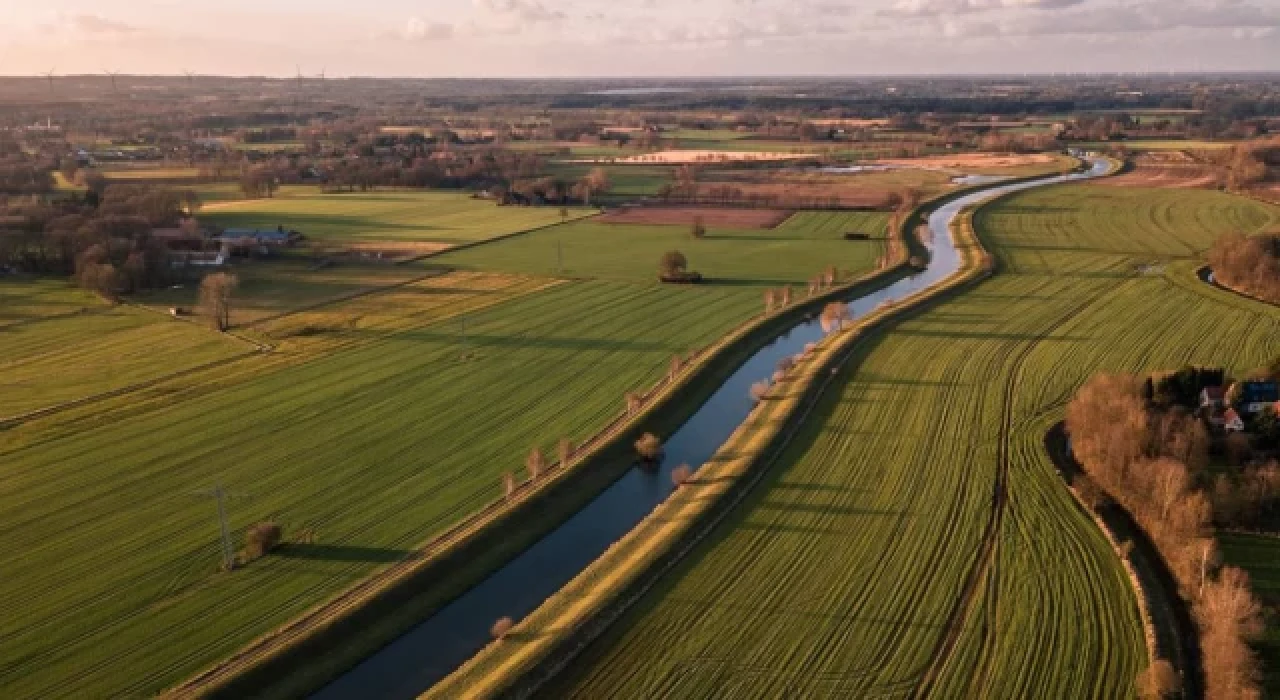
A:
341, 553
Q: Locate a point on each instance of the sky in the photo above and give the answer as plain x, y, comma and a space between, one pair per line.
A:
640, 38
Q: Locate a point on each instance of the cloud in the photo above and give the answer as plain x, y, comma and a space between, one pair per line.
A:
933, 8
532, 11
418, 29
90, 26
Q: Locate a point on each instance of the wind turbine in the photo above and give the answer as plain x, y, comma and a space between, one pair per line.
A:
191, 78
49, 76
113, 79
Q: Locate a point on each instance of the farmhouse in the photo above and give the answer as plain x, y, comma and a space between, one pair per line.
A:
1213, 398
1256, 396
1232, 422
263, 241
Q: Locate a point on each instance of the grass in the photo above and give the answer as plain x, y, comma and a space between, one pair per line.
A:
1260, 556
627, 180
446, 217
276, 286
378, 422
58, 343
839, 574
792, 253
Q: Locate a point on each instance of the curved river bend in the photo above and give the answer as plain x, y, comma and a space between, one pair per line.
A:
443, 642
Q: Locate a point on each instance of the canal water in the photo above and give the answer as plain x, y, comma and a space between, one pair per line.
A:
433, 649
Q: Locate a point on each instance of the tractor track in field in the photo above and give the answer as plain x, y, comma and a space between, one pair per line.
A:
985, 565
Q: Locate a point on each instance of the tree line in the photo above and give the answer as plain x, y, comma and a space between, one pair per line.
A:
1152, 459
1250, 264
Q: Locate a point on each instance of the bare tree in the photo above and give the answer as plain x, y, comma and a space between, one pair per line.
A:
536, 464
215, 298
501, 627
835, 315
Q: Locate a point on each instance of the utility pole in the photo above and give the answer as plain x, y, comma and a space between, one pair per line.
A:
220, 495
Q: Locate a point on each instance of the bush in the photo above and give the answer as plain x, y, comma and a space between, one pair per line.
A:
261, 539
681, 475
649, 447
501, 627
760, 390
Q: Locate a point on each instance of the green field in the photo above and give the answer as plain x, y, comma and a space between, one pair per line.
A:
58, 343
626, 180
444, 217
792, 253
1260, 556
842, 573
376, 423
274, 286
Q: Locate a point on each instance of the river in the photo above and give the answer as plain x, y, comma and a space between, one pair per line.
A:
430, 651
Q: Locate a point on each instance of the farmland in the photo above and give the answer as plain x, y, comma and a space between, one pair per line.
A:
377, 422
58, 343
441, 217
791, 253
840, 574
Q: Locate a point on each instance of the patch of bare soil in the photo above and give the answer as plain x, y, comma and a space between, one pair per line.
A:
1172, 170
685, 216
962, 161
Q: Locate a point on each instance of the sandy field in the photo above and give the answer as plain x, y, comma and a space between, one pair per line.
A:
712, 217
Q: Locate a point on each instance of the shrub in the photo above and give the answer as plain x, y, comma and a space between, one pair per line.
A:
672, 263
564, 451
681, 475
261, 539
649, 447
699, 229
501, 627
760, 390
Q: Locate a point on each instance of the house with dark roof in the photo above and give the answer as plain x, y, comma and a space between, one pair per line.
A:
1255, 397
1213, 398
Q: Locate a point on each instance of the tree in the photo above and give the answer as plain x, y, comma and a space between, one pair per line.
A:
564, 451
261, 539
673, 264
501, 627
536, 464
699, 229
835, 315
595, 182
215, 298
681, 475
1159, 681
649, 447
